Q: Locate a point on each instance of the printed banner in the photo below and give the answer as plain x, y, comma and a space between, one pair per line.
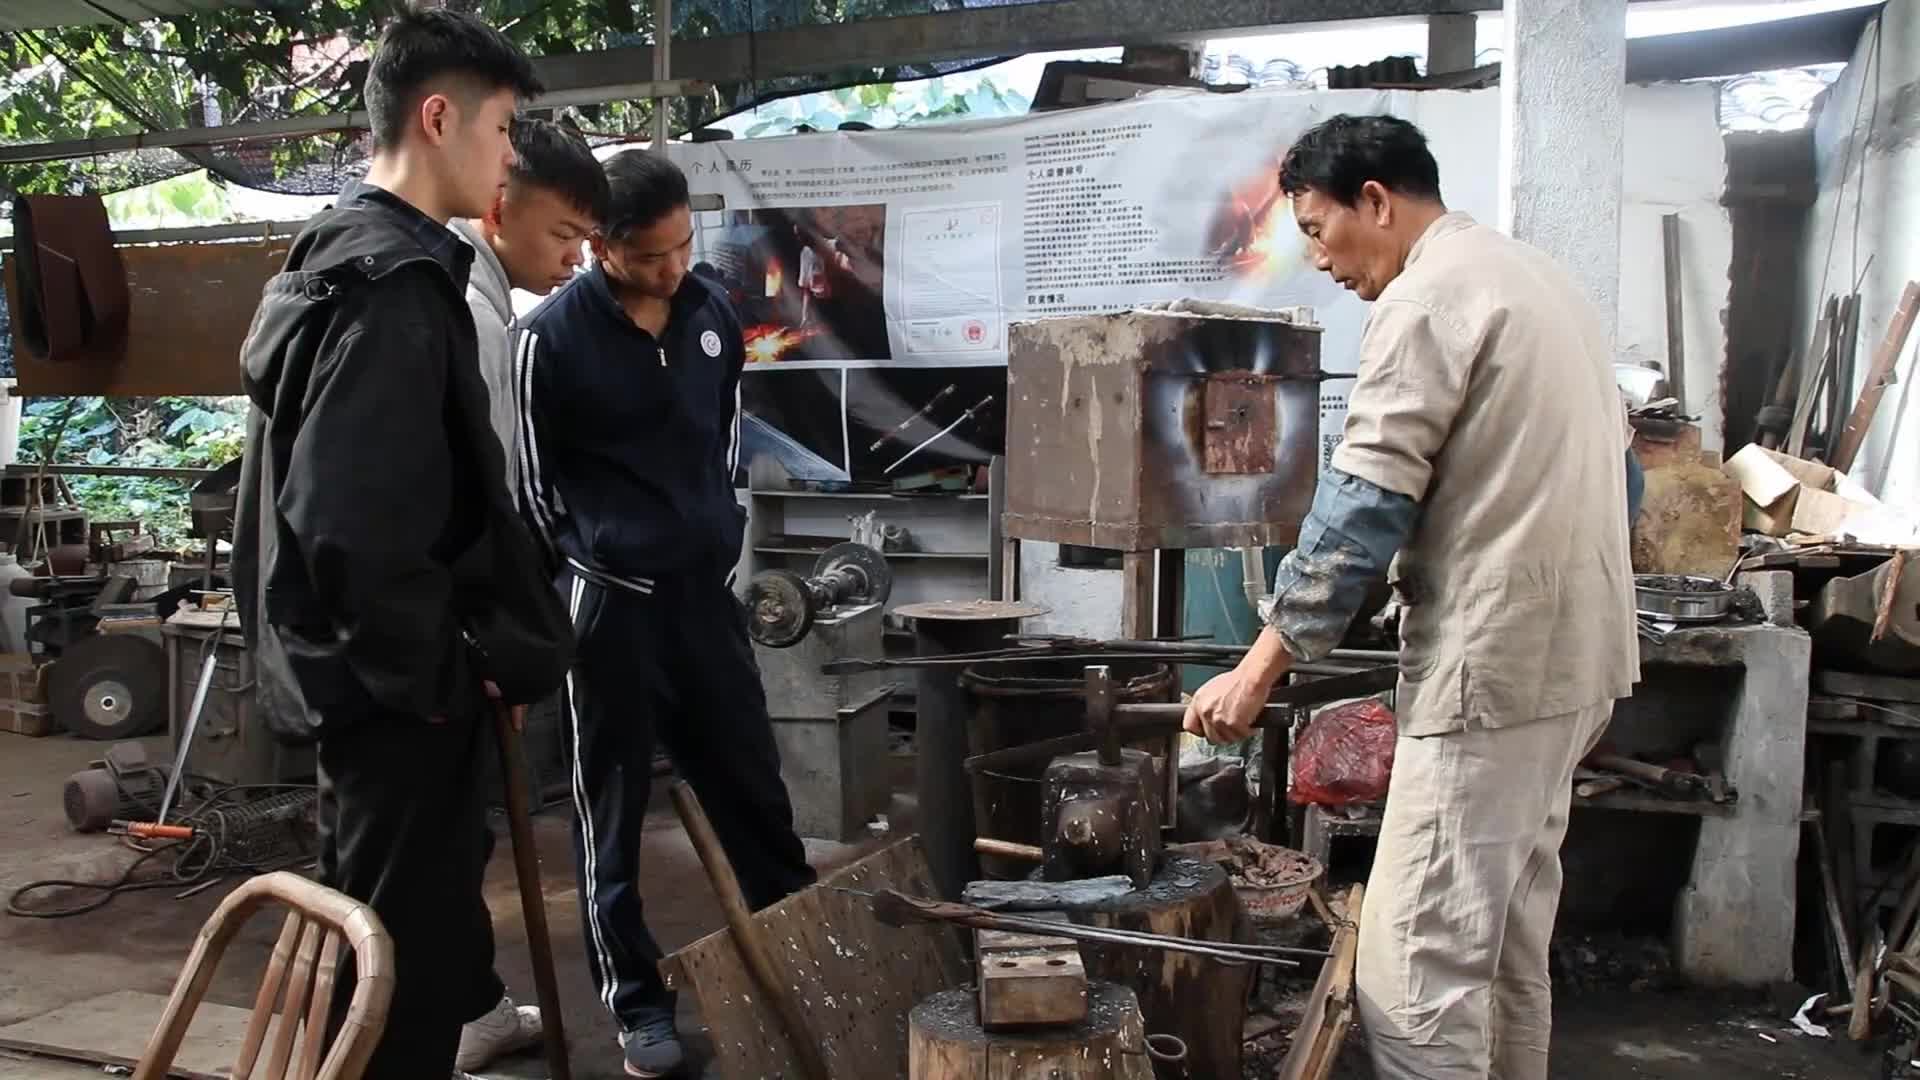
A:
873, 269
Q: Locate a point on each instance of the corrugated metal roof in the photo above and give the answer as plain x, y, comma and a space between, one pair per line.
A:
40, 14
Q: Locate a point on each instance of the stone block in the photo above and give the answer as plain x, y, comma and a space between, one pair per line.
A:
1775, 590
1689, 522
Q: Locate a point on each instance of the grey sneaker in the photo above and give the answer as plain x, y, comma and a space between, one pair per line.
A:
506, 1029
653, 1049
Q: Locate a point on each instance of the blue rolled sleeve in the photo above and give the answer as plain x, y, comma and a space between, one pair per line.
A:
1349, 537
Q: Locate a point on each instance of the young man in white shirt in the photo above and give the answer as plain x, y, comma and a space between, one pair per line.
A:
531, 239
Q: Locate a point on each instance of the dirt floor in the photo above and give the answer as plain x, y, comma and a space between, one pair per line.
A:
139, 941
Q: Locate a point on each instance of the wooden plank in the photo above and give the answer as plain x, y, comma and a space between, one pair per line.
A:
191, 305
1811, 379
1879, 377
112, 1030
1322, 1031
856, 979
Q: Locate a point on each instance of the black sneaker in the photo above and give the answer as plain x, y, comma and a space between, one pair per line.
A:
653, 1049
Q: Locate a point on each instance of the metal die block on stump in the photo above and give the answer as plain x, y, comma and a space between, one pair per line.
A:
1162, 429
831, 731
1101, 819
1028, 980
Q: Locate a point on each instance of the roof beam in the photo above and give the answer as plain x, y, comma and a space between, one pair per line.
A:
972, 34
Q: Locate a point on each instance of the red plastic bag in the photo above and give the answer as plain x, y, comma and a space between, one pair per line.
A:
1344, 756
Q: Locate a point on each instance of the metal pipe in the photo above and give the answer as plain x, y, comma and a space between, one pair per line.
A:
254, 131
662, 44
265, 232
1676, 325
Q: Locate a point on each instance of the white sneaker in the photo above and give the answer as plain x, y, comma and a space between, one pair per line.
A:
507, 1028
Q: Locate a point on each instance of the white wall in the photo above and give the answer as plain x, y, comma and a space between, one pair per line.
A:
1883, 186
1675, 161
1079, 601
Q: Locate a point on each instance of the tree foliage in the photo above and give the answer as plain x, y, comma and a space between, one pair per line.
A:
163, 432
282, 58
889, 104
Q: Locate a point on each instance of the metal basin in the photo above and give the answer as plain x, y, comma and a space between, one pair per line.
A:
1682, 597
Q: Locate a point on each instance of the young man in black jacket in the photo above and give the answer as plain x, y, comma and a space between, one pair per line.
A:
385, 583
629, 382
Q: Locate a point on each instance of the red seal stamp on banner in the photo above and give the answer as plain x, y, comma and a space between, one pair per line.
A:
975, 331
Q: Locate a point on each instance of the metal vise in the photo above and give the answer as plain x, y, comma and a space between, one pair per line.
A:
782, 605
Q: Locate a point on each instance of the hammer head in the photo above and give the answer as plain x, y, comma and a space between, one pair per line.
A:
1100, 819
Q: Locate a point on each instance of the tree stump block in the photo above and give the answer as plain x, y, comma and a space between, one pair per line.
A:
1201, 1000
946, 1042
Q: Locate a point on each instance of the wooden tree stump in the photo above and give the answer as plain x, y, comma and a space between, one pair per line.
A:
946, 1042
1199, 999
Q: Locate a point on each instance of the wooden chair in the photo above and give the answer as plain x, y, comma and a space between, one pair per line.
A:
299, 983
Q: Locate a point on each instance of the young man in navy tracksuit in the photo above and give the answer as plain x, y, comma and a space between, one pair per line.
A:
629, 382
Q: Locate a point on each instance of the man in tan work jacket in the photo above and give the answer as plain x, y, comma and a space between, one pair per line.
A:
1483, 457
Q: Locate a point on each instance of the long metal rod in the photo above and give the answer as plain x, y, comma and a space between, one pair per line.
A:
897, 908
857, 665
1061, 641
186, 735
1134, 722
1341, 662
254, 131
1150, 940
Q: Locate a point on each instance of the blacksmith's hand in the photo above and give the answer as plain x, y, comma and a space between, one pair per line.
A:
1223, 710
1226, 708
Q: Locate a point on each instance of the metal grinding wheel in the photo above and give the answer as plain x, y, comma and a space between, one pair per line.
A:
779, 608
855, 573
781, 605
109, 686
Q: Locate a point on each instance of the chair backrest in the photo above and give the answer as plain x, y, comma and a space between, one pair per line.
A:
298, 985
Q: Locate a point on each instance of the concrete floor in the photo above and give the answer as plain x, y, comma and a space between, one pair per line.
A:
139, 941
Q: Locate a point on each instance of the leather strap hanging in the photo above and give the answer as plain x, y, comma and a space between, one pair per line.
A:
73, 284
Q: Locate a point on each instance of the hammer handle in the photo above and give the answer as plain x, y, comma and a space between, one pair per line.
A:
533, 896
747, 937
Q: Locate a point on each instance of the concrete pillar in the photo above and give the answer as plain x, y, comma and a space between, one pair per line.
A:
1733, 921
1450, 43
1563, 71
